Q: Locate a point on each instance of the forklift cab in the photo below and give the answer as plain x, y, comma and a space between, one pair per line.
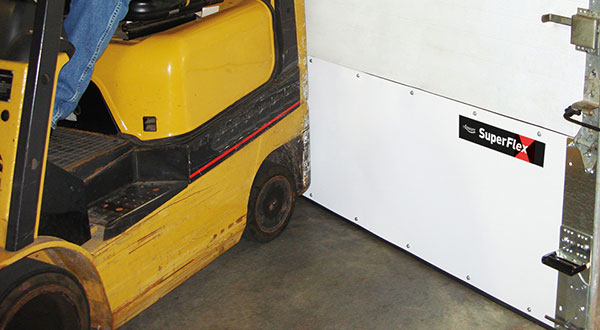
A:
193, 131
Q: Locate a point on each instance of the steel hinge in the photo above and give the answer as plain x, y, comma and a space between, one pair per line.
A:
584, 29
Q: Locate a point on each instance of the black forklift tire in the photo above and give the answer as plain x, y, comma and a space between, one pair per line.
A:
42, 296
271, 203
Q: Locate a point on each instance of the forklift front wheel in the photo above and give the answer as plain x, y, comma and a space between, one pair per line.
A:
48, 300
271, 203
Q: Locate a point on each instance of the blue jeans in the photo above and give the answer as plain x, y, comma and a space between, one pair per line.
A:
89, 26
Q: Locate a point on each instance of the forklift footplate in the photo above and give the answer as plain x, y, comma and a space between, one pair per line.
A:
71, 148
121, 183
131, 203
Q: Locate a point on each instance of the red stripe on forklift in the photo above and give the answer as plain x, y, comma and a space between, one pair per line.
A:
230, 150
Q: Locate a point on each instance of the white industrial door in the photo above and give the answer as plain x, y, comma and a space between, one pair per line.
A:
393, 82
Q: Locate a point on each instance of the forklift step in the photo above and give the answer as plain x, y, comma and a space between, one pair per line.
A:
122, 183
126, 206
102, 162
82, 153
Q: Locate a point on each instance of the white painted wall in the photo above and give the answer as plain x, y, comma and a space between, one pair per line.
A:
492, 54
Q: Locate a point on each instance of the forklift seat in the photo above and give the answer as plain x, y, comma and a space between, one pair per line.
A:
143, 10
146, 17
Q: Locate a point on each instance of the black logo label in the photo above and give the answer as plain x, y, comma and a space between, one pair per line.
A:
6, 78
506, 142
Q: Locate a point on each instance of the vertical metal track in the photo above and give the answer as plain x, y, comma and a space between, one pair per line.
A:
593, 303
34, 124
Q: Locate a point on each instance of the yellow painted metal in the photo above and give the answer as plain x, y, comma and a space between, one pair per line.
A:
74, 259
9, 134
229, 4
41, 243
187, 75
188, 232
302, 54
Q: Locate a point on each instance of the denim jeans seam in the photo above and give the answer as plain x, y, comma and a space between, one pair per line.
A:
56, 115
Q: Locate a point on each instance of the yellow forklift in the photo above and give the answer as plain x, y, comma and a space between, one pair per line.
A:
193, 132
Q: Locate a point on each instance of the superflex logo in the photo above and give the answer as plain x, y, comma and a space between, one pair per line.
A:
503, 141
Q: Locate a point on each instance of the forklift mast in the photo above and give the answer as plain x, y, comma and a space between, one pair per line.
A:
27, 142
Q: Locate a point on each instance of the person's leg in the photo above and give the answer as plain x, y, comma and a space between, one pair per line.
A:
89, 25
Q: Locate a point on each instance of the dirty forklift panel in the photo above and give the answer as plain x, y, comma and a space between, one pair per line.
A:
152, 180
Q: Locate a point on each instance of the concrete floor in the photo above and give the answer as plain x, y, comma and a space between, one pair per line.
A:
323, 273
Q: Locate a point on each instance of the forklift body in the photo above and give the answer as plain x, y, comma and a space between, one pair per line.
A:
193, 131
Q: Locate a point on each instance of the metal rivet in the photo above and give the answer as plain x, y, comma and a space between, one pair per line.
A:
408, 246
311, 194
45, 79
310, 60
560, 308
412, 92
5, 115
529, 309
540, 134
582, 308
570, 164
468, 277
356, 219
474, 113
358, 75
34, 164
